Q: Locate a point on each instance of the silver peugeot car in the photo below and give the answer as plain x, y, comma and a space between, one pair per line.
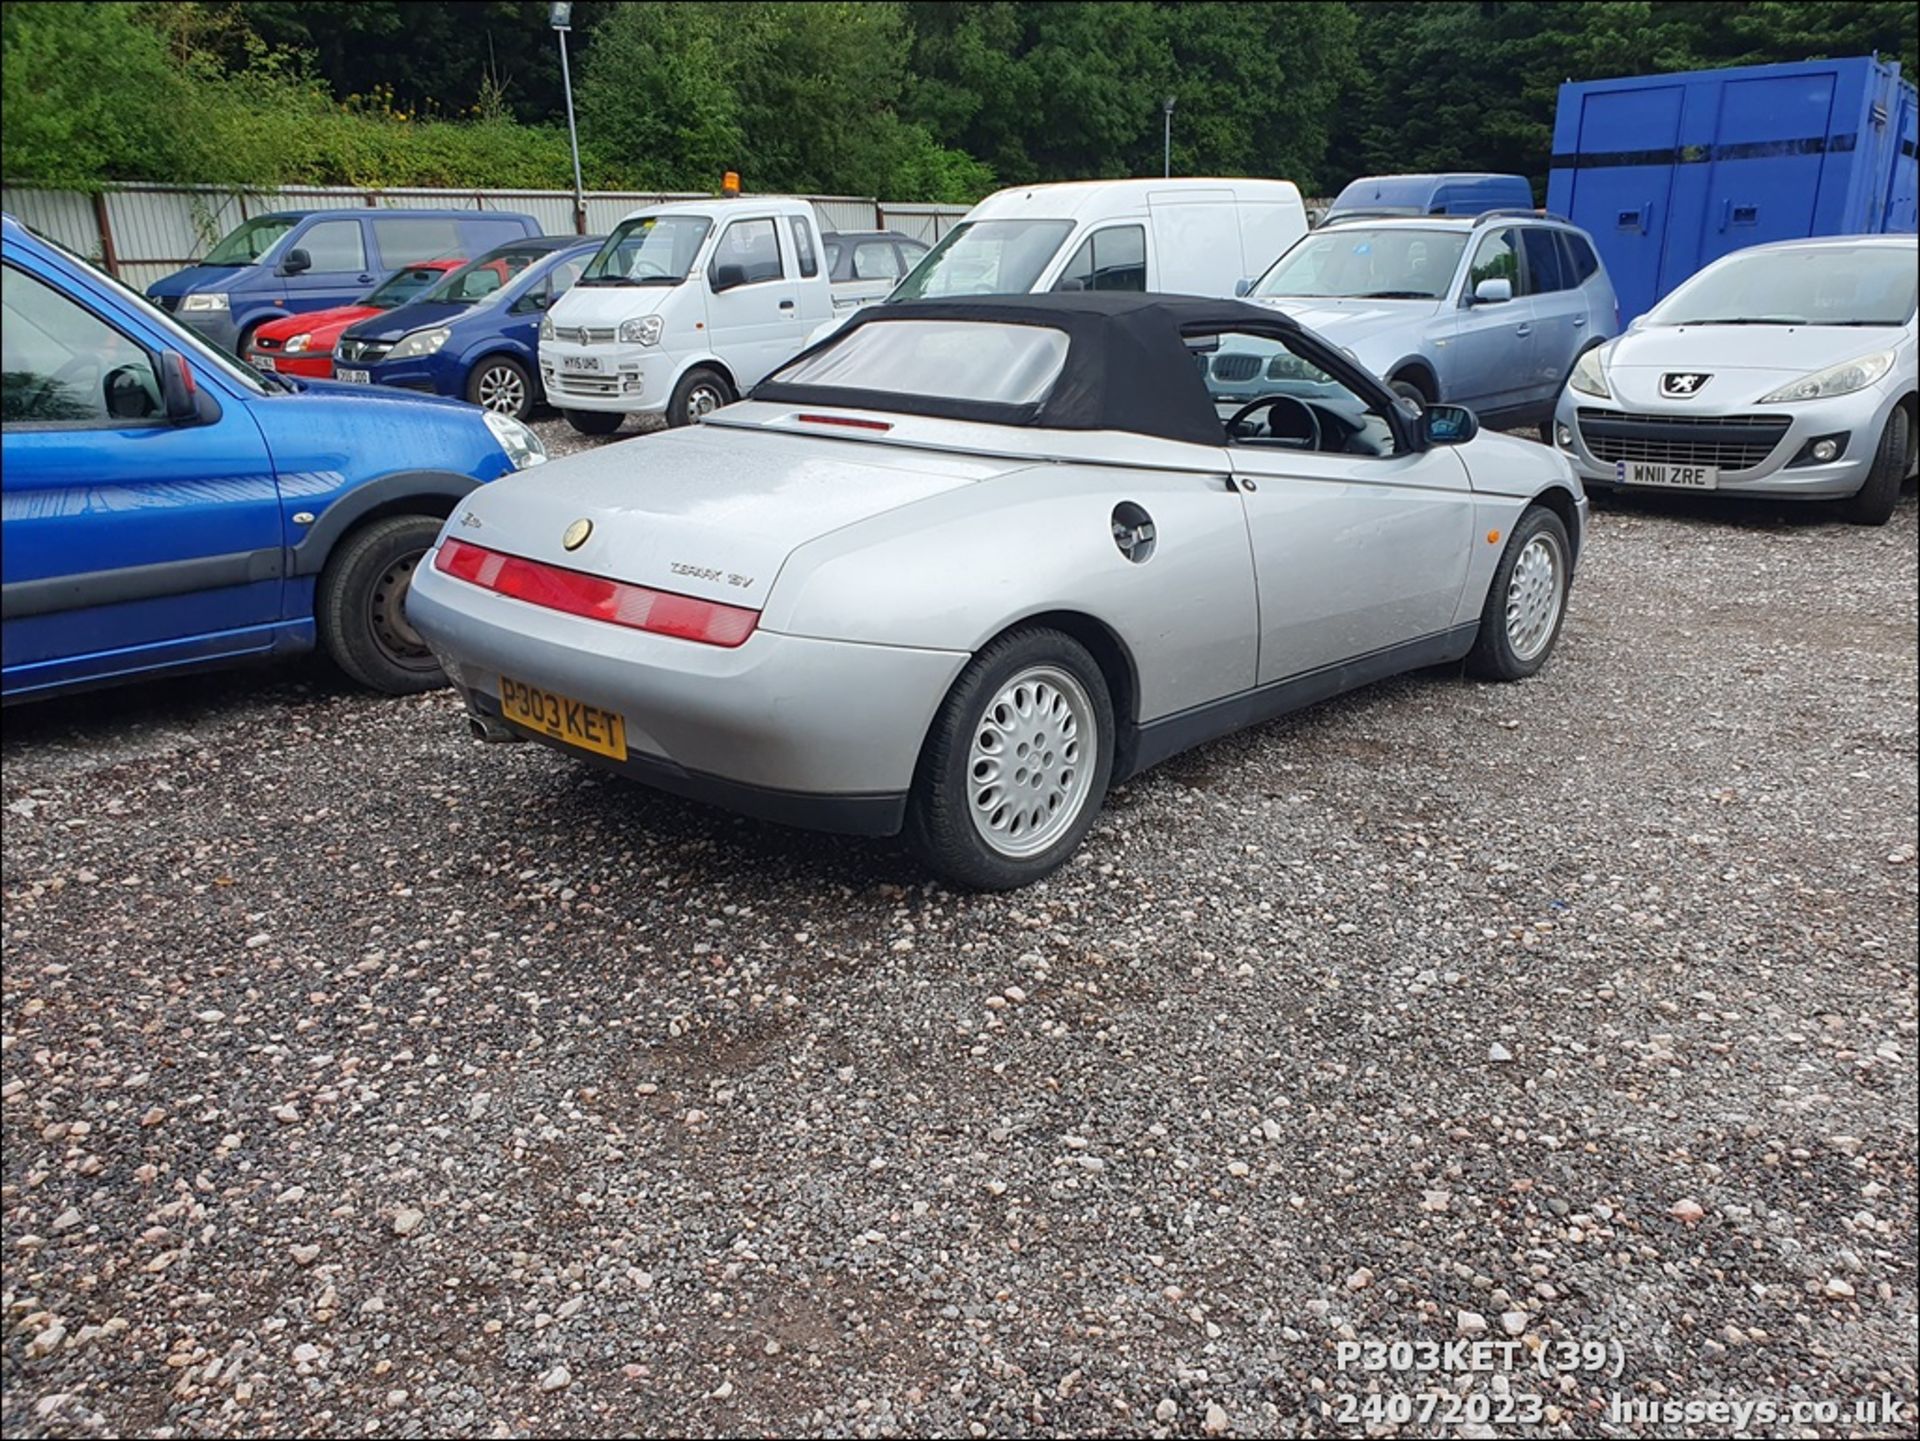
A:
1785, 370
964, 564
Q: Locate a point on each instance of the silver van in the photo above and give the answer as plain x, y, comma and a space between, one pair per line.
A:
1488, 311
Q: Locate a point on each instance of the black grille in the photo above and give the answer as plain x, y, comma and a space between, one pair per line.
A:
362, 351
1235, 367
265, 342
1727, 442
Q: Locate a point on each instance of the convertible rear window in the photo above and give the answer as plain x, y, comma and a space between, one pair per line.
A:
977, 361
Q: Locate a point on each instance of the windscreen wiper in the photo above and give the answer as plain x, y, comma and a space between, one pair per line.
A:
1397, 295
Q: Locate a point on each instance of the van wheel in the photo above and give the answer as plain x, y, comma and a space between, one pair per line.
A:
700, 392
1015, 768
361, 605
1873, 503
594, 422
502, 385
243, 342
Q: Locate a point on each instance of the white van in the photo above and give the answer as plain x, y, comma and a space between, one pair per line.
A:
1177, 237
685, 308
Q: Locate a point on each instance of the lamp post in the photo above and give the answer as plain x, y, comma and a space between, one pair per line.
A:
1166, 137
560, 17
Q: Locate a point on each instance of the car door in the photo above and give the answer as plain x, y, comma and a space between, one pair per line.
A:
1491, 366
1359, 545
752, 312
340, 266
130, 542
1560, 319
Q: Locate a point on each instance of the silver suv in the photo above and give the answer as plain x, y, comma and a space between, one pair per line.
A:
1488, 311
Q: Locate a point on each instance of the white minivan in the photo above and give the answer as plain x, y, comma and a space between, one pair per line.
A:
1185, 236
685, 308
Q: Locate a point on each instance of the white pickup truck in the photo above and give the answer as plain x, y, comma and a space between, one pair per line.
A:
685, 308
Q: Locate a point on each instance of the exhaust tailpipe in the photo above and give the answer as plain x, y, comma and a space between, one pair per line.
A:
491, 731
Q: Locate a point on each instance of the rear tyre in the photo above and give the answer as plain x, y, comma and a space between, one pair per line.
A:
1873, 503
700, 392
361, 606
503, 385
243, 342
1015, 768
1527, 601
594, 422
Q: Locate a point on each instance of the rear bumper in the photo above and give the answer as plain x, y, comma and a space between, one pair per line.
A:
823, 734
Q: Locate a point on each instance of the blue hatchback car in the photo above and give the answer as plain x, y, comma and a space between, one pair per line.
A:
476, 334
167, 508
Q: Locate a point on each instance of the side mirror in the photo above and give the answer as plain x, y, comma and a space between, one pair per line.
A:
1493, 292
295, 262
727, 277
532, 301
1071, 285
177, 390
1449, 424
1242, 286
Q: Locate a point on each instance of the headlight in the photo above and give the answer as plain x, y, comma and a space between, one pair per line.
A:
546, 327
297, 343
645, 331
205, 300
421, 342
1842, 379
1590, 376
522, 446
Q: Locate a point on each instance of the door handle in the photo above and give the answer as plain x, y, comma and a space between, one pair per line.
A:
366, 280
786, 305
1578, 321
1521, 332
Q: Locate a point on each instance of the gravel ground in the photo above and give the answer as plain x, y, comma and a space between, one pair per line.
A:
362, 1080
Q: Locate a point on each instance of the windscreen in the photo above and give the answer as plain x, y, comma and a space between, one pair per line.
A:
985, 257
479, 279
956, 359
1812, 285
1356, 262
404, 285
250, 241
649, 250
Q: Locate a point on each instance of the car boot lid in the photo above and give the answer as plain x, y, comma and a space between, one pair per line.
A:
702, 513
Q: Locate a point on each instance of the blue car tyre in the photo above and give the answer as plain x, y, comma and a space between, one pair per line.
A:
362, 606
503, 385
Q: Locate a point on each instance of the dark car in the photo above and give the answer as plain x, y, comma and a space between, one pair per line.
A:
475, 334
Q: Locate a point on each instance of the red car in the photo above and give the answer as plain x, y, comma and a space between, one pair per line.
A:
303, 344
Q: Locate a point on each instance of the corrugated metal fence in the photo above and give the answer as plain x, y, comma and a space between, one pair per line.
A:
142, 232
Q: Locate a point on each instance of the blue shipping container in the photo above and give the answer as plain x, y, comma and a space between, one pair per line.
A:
1669, 172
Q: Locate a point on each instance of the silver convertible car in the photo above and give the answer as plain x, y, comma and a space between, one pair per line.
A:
963, 565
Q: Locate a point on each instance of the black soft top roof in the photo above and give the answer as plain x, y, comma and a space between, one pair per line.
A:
1126, 365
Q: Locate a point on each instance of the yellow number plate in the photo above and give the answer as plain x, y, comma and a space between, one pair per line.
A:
565, 719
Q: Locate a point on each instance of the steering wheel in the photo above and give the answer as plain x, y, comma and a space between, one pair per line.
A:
644, 269
1311, 435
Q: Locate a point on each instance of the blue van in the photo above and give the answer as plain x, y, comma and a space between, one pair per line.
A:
1453, 194
293, 260
476, 334
165, 508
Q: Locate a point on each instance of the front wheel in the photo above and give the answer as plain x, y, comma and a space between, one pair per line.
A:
594, 422
361, 604
1015, 768
1873, 503
503, 385
1526, 602
700, 392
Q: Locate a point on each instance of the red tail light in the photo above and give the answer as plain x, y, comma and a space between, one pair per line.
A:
659, 611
